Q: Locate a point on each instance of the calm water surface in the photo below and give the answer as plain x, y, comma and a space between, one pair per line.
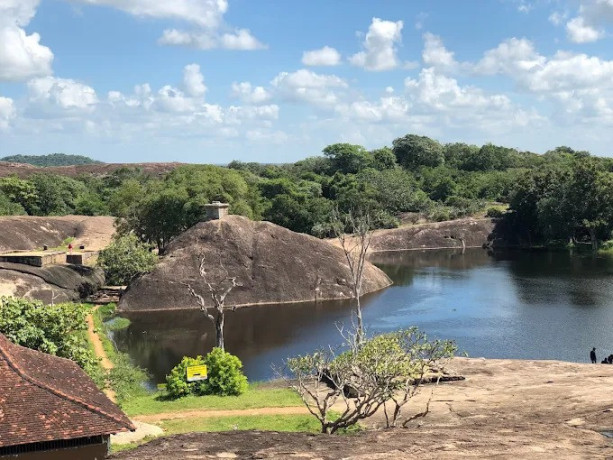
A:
537, 305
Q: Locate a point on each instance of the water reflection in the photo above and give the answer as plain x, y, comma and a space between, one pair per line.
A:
537, 305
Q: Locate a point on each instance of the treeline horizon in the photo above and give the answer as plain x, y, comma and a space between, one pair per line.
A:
561, 195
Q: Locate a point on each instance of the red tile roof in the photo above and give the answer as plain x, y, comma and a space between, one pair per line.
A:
46, 398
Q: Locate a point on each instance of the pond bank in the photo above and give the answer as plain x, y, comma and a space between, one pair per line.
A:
505, 408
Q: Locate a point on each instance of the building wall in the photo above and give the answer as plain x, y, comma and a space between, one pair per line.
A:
97, 451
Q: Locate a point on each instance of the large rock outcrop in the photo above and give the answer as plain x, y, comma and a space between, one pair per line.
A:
21, 233
273, 265
450, 234
55, 283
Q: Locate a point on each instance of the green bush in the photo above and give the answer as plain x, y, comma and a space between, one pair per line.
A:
225, 377
125, 259
55, 329
494, 212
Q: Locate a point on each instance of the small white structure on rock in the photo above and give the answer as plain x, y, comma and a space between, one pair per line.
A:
216, 210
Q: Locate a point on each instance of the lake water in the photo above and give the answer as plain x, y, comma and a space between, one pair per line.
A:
536, 305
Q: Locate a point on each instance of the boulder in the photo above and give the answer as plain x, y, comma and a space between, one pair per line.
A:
271, 264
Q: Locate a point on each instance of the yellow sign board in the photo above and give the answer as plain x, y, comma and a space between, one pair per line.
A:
196, 373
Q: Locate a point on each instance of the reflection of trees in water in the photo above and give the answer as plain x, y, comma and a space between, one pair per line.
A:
158, 340
557, 277
402, 266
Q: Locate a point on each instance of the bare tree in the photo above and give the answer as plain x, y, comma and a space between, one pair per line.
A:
355, 247
217, 292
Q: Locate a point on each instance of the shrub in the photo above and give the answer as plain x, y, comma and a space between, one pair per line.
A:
55, 329
125, 259
225, 377
494, 212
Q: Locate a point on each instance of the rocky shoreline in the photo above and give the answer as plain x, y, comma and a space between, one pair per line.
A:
504, 408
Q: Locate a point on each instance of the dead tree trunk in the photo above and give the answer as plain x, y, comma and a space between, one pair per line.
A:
218, 291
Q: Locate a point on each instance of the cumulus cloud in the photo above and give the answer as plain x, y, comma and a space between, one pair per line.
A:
305, 85
436, 55
50, 95
249, 94
325, 56
21, 55
380, 46
240, 39
580, 32
193, 80
589, 24
7, 111
206, 16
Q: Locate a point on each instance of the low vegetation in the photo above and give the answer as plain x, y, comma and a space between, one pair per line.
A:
53, 159
59, 330
225, 376
256, 396
127, 380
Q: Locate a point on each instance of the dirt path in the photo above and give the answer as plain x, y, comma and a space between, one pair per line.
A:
99, 351
204, 413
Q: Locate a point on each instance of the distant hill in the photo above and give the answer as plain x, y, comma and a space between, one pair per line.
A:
53, 159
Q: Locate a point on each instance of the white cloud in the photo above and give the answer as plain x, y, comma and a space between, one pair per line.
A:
50, 95
193, 80
325, 56
249, 94
205, 40
205, 13
21, 55
387, 109
380, 46
580, 32
241, 39
305, 85
436, 55
589, 24
7, 111
511, 56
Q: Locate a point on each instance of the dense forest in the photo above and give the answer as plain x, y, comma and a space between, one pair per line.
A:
558, 197
53, 159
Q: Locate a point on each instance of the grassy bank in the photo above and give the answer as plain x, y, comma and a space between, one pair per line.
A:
257, 396
128, 381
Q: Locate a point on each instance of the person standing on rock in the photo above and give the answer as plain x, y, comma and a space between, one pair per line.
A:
593, 355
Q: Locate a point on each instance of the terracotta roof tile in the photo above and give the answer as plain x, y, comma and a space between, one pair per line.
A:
45, 398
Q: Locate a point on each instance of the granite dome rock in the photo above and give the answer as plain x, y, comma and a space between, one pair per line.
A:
272, 264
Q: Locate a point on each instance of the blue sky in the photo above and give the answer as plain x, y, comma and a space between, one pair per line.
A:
277, 80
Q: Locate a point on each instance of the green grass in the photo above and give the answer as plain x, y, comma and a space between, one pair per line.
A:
305, 423
256, 396
126, 379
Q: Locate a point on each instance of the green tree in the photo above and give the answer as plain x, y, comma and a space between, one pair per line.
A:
413, 151
348, 158
125, 259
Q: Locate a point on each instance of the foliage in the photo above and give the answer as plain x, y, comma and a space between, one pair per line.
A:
417, 175
55, 329
225, 377
494, 212
52, 159
125, 259
413, 151
365, 376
